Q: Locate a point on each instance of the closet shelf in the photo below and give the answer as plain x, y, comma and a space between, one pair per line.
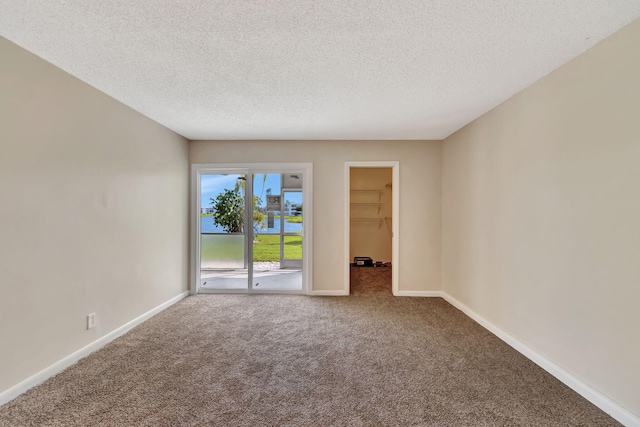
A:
367, 206
370, 191
371, 221
379, 221
367, 192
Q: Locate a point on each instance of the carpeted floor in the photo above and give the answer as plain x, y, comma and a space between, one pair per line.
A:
369, 359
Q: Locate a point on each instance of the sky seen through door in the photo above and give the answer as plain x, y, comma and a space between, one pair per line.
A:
213, 184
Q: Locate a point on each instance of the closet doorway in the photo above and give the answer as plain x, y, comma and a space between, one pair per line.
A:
372, 220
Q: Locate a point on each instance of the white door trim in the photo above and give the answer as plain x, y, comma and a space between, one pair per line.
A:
307, 201
395, 218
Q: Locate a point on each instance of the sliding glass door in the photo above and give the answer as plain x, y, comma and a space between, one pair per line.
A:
250, 231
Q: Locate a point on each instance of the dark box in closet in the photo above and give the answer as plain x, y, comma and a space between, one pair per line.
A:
362, 261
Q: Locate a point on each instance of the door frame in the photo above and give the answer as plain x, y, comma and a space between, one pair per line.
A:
395, 218
306, 169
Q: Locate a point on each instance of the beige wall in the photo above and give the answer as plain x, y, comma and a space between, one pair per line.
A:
93, 214
370, 229
541, 203
420, 188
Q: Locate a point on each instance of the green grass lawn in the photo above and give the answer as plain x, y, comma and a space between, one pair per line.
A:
267, 248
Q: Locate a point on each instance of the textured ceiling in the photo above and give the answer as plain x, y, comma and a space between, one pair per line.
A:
320, 69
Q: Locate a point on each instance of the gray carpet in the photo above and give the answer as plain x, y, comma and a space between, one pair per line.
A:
272, 360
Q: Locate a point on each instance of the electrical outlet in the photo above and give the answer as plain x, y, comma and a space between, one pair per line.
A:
91, 320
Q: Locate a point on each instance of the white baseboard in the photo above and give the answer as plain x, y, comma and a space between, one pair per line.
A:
398, 293
430, 294
340, 293
616, 411
61, 365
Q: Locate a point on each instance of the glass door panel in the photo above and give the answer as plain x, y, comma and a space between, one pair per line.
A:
292, 233
266, 231
223, 264
271, 225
